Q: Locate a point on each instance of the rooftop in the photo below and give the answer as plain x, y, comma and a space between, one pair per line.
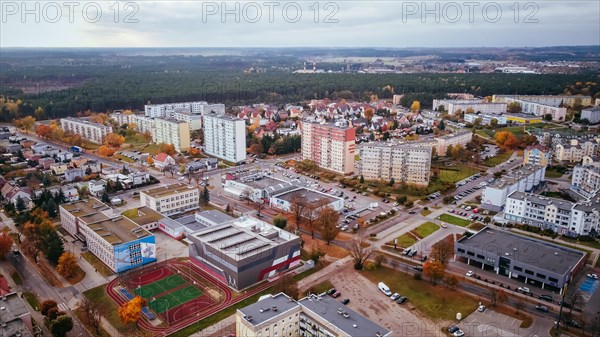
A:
311, 196
542, 254
260, 182
214, 216
541, 200
146, 216
13, 308
83, 121
452, 135
166, 190
262, 311
515, 175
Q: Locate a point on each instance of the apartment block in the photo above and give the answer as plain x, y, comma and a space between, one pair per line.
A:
454, 139
330, 145
552, 100
225, 137
117, 241
171, 131
93, 132
523, 179
561, 216
478, 106
171, 199
167, 110
538, 106
404, 162
537, 155
313, 316
575, 150
586, 180
485, 119
122, 118
592, 115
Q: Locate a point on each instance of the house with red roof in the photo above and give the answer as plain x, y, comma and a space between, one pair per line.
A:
162, 160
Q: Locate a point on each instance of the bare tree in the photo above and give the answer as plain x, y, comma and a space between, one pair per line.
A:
360, 251
297, 206
327, 222
443, 250
575, 299
497, 295
312, 212
92, 314
247, 193
519, 305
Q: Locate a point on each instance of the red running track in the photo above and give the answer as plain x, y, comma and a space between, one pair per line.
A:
190, 319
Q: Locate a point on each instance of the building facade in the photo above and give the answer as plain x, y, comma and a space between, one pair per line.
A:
171, 199
575, 150
586, 180
523, 179
330, 145
592, 114
167, 110
93, 132
311, 199
405, 162
537, 155
485, 119
171, 131
225, 137
552, 100
244, 251
459, 138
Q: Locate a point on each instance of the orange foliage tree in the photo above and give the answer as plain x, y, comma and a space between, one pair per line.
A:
114, 140
434, 270
106, 151
67, 263
131, 311
43, 130
506, 139
167, 148
6, 243
369, 113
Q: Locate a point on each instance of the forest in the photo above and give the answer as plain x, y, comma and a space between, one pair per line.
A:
64, 83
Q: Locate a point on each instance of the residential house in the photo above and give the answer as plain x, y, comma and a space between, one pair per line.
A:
45, 163
162, 161
97, 187
64, 156
70, 192
58, 168
91, 166
73, 174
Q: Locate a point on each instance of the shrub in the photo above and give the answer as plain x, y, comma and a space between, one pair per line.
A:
417, 276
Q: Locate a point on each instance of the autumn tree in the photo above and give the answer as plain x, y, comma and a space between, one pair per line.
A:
247, 193
106, 151
61, 326
434, 269
360, 251
26, 123
43, 131
6, 243
92, 314
415, 106
150, 161
131, 311
114, 140
288, 286
47, 305
443, 250
297, 206
369, 112
451, 281
256, 148
33, 242
67, 264
279, 221
167, 148
514, 107
497, 296
506, 139
311, 213
327, 221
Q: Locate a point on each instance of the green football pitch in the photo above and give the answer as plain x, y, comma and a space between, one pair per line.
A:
156, 288
174, 298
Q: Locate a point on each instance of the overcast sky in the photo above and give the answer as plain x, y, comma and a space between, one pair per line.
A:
399, 24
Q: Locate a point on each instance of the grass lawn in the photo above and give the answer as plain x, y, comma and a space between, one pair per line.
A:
553, 173
592, 244
485, 133
130, 213
455, 174
321, 287
426, 229
123, 158
405, 240
32, 300
152, 149
111, 310
454, 220
498, 159
425, 212
476, 226
435, 302
97, 264
17, 278
77, 276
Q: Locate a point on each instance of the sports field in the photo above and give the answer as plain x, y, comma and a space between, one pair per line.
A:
158, 287
174, 299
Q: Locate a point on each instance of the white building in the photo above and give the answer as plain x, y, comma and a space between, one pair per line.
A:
523, 179
454, 139
171, 199
310, 198
404, 162
96, 187
586, 180
93, 132
329, 145
552, 100
225, 137
195, 108
171, 131
484, 108
537, 105
576, 149
591, 114
561, 216
485, 119
122, 118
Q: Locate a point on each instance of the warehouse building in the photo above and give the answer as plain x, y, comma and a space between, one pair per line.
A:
244, 251
314, 198
531, 261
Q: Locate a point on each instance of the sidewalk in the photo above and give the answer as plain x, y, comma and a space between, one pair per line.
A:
224, 327
312, 279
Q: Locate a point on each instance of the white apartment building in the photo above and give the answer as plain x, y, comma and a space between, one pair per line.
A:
144, 124
225, 137
171, 199
330, 145
171, 131
575, 150
196, 108
117, 241
586, 180
122, 118
591, 114
523, 179
93, 132
404, 162
552, 100
561, 216
485, 118
454, 139
313, 316
484, 108
537, 106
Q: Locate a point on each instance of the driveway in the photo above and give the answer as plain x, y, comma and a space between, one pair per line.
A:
494, 324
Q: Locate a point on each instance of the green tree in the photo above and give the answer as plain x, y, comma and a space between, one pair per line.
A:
205, 196
494, 122
548, 117
442, 125
280, 221
61, 326
361, 179
20, 204
105, 197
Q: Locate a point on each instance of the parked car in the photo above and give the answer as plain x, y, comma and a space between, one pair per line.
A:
345, 301
444, 225
395, 296
453, 329
331, 291
546, 298
541, 308
423, 258
523, 290
336, 294
458, 333
594, 276
401, 299
481, 308
470, 273
412, 212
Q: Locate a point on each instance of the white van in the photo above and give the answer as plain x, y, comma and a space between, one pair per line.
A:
385, 289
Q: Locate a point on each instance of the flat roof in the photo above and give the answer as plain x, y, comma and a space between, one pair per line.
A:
145, 216
332, 311
262, 183
190, 222
515, 175
311, 196
541, 200
166, 190
214, 216
542, 254
262, 310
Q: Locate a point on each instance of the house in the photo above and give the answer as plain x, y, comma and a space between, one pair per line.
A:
91, 166
26, 196
64, 156
58, 168
45, 163
70, 192
12, 148
162, 160
97, 187
74, 174
205, 164
45, 150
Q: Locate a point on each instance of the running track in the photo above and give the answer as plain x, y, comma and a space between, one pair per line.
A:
227, 302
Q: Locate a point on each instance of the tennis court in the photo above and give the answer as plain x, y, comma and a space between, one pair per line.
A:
158, 287
174, 299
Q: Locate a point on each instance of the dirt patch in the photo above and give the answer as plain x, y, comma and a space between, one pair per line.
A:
330, 251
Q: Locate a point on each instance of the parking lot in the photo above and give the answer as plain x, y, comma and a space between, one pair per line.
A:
491, 324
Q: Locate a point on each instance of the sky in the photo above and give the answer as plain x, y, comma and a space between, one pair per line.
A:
386, 24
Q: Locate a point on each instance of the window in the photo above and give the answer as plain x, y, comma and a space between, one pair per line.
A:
470, 253
518, 268
552, 279
540, 275
528, 272
480, 256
